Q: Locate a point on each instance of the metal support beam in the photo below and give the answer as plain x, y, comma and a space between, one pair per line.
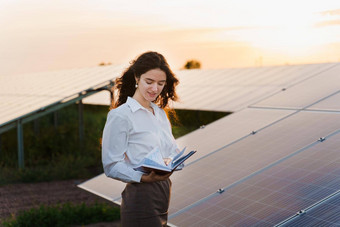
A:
20, 136
8, 127
81, 123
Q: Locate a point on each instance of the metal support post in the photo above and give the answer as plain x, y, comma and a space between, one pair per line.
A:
81, 123
20, 138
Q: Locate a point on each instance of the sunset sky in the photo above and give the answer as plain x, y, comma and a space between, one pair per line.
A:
45, 35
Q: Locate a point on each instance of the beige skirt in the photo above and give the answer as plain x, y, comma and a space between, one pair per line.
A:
145, 204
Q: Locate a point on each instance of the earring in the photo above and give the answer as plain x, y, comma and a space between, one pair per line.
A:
136, 86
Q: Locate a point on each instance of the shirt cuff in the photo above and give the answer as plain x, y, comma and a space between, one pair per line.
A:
137, 176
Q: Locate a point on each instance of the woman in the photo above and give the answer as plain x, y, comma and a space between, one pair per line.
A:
136, 125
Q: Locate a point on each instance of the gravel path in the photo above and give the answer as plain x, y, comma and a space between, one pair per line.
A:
16, 197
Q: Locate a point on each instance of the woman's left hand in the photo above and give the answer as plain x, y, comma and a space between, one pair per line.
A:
153, 177
167, 161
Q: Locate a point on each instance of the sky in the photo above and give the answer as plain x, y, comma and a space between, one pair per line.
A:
46, 35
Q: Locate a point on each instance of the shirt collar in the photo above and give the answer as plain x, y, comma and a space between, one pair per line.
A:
135, 105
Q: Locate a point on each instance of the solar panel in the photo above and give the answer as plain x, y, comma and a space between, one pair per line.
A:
100, 98
104, 187
253, 76
228, 130
276, 193
215, 89
290, 75
249, 155
306, 93
12, 108
331, 103
22, 94
234, 89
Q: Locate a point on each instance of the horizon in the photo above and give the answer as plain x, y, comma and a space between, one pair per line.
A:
40, 36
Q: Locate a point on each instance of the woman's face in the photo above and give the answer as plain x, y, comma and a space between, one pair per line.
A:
151, 84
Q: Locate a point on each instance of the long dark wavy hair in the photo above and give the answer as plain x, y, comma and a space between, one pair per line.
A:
125, 85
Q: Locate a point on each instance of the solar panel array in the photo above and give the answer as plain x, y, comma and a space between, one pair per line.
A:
274, 193
232, 89
287, 174
216, 90
275, 162
250, 155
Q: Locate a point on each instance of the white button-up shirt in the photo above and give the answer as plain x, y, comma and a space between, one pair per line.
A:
130, 133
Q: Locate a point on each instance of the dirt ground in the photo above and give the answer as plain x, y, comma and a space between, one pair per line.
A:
16, 197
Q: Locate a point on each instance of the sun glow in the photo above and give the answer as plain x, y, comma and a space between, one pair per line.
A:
219, 33
286, 30
292, 40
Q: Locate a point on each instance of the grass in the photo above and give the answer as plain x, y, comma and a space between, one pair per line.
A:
64, 215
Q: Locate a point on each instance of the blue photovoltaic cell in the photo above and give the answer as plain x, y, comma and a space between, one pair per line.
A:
325, 214
277, 193
247, 156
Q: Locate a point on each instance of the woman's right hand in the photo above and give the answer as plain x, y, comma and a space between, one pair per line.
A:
153, 177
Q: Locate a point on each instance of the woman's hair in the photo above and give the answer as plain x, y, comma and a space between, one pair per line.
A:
125, 85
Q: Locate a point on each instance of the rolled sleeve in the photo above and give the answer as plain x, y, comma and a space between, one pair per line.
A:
114, 148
